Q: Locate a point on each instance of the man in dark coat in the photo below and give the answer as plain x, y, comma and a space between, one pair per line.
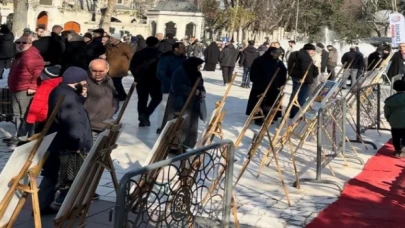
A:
324, 57
102, 98
96, 48
261, 73
75, 54
397, 62
374, 59
249, 54
228, 59
211, 55
6, 48
73, 137
354, 61
167, 65
143, 67
303, 67
166, 44
263, 48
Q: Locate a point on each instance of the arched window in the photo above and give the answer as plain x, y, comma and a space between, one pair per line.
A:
170, 28
153, 26
72, 25
190, 29
42, 19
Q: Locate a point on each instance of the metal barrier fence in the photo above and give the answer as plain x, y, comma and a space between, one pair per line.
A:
331, 137
368, 111
393, 79
190, 190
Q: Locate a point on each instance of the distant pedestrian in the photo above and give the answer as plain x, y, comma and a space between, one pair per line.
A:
211, 55
144, 67
229, 57
249, 54
332, 62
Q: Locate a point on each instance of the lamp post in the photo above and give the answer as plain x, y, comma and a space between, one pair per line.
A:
296, 20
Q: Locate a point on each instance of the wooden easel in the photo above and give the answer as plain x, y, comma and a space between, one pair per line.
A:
77, 208
257, 112
172, 139
215, 126
274, 142
264, 131
31, 173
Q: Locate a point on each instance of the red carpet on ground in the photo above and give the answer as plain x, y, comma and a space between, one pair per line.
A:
375, 198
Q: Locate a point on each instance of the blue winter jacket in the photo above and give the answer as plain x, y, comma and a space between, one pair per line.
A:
167, 65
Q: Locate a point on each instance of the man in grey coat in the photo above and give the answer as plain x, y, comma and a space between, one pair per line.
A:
228, 58
332, 62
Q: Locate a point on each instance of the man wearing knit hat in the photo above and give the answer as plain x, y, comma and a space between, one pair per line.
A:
72, 141
300, 65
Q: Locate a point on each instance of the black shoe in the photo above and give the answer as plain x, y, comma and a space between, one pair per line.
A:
158, 131
142, 124
10, 140
47, 211
62, 195
175, 152
96, 196
243, 85
144, 119
259, 122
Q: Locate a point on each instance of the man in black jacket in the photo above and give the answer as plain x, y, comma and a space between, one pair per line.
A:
6, 48
143, 67
324, 56
249, 54
73, 139
354, 62
166, 44
228, 59
301, 65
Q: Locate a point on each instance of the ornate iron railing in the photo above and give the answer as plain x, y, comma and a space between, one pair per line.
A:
190, 190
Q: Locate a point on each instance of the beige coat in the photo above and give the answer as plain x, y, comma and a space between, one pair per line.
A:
119, 57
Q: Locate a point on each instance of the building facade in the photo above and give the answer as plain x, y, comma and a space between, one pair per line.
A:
180, 18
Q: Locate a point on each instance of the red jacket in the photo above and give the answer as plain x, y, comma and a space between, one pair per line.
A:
25, 71
38, 110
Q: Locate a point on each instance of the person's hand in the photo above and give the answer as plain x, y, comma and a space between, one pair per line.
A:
47, 63
103, 56
31, 91
84, 93
197, 92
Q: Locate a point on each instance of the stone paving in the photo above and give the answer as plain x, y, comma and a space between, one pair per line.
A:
260, 201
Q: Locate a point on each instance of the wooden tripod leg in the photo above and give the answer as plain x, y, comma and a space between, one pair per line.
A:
35, 200
17, 210
111, 169
279, 171
294, 164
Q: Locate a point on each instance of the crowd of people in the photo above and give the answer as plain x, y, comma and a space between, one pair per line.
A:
88, 71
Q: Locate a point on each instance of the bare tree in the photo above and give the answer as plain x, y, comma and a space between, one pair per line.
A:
19, 16
105, 20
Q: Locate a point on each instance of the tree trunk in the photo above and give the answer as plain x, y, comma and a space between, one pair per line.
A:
19, 17
105, 20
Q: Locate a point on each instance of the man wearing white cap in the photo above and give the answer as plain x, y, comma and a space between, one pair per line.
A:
118, 56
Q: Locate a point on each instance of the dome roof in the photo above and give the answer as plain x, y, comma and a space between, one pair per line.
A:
179, 6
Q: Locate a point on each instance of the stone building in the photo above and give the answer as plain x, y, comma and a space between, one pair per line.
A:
82, 15
145, 17
181, 18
